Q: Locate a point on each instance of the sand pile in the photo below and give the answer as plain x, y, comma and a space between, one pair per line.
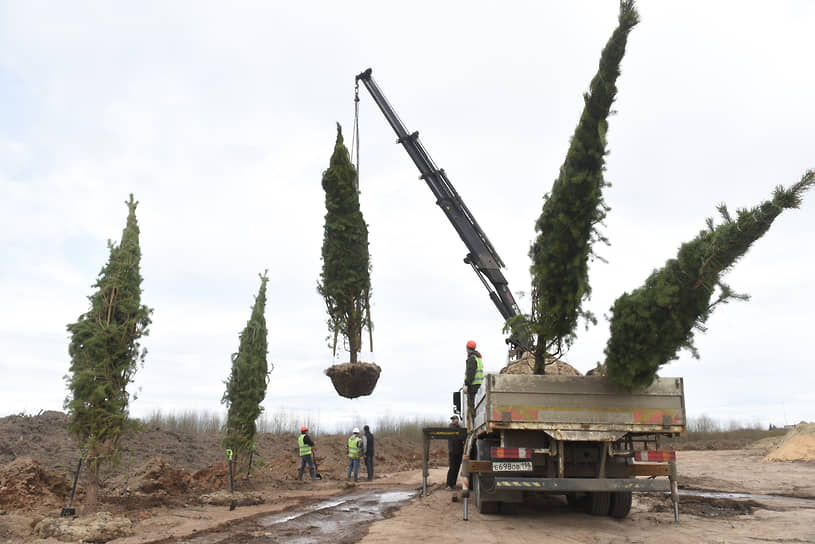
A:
526, 363
798, 445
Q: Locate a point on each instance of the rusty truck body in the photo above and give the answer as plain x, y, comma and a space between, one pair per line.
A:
579, 436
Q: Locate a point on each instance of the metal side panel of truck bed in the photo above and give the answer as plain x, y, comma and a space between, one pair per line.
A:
577, 407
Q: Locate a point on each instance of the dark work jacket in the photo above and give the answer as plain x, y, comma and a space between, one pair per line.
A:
369, 444
455, 446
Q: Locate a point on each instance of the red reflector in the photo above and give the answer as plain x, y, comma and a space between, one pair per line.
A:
511, 453
655, 456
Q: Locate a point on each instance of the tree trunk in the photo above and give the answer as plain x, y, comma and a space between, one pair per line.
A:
92, 491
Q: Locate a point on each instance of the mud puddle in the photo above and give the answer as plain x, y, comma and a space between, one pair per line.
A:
341, 520
727, 495
722, 504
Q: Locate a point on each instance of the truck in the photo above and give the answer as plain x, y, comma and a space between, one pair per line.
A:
578, 436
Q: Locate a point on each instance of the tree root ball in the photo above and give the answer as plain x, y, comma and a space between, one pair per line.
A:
352, 380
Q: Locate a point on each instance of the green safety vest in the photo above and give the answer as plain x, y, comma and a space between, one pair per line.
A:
353, 447
479, 371
305, 449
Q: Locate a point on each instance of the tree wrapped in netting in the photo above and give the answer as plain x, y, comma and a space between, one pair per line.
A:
568, 225
652, 323
345, 281
106, 353
246, 386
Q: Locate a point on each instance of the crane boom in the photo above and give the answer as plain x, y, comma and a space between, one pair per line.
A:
482, 256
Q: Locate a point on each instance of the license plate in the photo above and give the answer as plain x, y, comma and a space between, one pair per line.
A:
511, 466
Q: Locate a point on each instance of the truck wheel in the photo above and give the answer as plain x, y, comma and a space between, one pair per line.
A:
620, 504
598, 503
483, 507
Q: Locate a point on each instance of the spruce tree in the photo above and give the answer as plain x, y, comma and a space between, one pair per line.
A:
572, 211
246, 386
105, 354
345, 282
652, 323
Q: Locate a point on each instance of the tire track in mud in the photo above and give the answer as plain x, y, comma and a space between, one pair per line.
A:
340, 520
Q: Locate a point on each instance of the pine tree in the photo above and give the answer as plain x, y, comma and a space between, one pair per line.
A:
652, 323
345, 282
246, 386
567, 226
105, 354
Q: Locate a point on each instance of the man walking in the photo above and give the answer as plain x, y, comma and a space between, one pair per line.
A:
455, 449
473, 377
368, 448
306, 450
354, 451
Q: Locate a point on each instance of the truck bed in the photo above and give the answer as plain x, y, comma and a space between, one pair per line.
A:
577, 407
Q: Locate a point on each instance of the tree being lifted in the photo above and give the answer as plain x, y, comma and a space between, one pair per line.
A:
105, 353
246, 386
345, 282
652, 323
567, 226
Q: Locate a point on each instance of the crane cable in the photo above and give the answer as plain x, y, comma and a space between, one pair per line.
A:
355, 134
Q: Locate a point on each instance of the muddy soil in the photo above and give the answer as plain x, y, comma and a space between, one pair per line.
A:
174, 489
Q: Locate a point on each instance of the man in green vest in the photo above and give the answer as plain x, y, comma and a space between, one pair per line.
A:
306, 445
354, 450
473, 377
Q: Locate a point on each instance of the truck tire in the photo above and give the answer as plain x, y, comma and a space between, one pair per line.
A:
598, 503
483, 507
620, 504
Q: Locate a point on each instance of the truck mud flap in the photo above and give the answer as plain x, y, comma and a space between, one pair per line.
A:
581, 484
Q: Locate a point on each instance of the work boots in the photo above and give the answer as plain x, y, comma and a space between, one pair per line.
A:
311, 473
300, 474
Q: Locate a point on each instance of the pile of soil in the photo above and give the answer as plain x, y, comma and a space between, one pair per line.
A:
38, 461
526, 365
797, 445
24, 483
352, 380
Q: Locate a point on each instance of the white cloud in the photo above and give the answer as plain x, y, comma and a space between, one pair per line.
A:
221, 121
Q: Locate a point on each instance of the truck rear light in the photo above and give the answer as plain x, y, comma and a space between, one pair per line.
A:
511, 453
655, 456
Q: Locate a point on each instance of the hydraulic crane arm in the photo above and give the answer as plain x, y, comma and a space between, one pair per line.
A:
482, 256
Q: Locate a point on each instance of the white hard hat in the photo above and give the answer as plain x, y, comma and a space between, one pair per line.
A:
356, 430
454, 416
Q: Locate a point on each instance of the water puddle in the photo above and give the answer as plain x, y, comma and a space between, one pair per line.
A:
340, 520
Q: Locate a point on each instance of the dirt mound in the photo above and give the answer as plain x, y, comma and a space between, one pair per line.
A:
352, 380
212, 477
797, 445
526, 364
24, 483
157, 475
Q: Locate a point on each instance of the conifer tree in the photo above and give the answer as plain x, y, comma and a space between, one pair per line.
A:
105, 354
246, 386
652, 323
572, 211
345, 282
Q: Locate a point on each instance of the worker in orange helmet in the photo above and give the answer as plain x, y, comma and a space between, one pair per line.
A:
473, 377
306, 449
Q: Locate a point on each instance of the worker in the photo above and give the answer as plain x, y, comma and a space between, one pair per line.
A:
473, 377
368, 449
455, 449
354, 451
306, 450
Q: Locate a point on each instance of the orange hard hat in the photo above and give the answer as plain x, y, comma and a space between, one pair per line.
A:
303, 429
471, 344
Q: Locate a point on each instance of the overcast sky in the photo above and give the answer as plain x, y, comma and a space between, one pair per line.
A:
220, 119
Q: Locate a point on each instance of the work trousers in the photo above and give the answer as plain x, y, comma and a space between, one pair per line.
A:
353, 464
369, 466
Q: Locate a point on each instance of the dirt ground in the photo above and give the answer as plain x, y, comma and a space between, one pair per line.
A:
173, 487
